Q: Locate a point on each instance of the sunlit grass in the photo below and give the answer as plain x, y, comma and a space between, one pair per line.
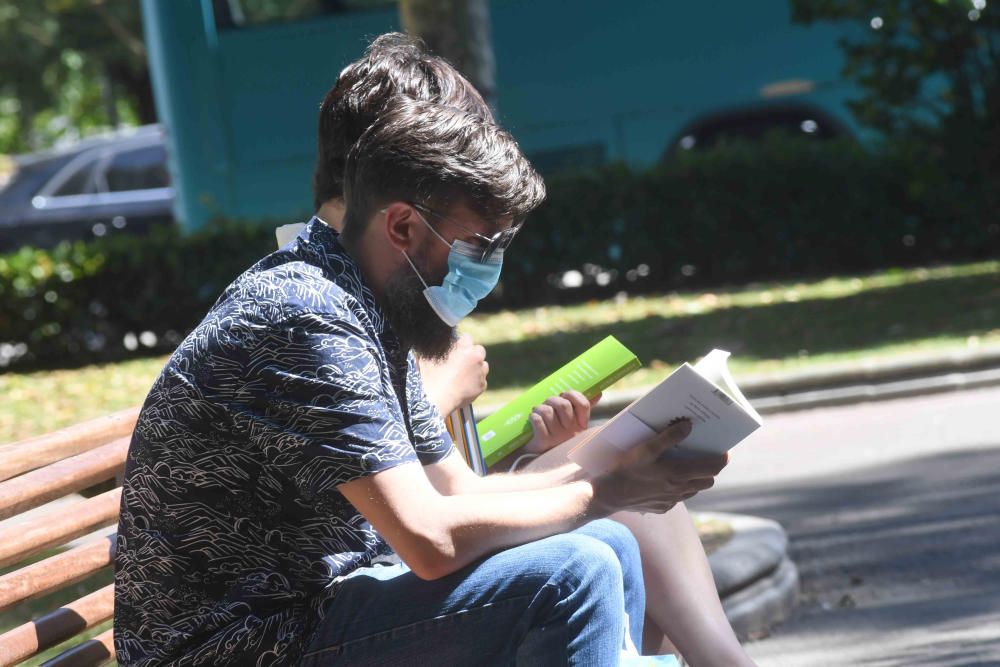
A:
35, 403
769, 328
530, 323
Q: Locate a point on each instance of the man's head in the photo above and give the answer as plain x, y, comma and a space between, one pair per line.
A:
423, 176
394, 66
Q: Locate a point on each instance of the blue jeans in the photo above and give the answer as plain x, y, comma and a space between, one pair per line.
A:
562, 600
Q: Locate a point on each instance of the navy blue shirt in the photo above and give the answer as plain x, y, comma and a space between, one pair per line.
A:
233, 535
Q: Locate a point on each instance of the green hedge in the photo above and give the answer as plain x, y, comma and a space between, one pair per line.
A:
782, 208
777, 209
117, 296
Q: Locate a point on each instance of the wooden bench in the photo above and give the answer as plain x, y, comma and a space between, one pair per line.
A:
34, 473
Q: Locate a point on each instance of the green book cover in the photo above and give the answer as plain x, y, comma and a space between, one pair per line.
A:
591, 373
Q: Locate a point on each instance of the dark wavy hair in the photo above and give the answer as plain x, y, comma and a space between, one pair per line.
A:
395, 66
440, 156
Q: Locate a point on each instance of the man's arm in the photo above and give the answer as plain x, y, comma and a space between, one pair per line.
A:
436, 533
452, 476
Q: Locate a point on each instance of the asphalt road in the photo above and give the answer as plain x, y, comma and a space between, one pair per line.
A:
893, 514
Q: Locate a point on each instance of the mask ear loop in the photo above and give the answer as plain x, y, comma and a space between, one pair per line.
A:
433, 231
413, 266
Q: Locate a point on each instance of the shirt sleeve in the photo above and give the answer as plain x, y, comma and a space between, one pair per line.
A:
316, 403
430, 437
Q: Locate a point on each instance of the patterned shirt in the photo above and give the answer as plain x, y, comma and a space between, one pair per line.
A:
233, 535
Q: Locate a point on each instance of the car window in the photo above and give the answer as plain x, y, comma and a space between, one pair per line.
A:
138, 169
80, 183
28, 178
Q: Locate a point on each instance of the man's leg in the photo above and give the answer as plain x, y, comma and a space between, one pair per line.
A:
569, 589
622, 542
684, 608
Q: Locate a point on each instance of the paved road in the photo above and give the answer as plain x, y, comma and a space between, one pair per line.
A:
893, 510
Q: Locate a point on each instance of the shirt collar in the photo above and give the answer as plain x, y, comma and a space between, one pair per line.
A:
320, 245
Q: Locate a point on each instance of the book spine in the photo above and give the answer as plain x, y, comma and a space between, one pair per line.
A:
475, 450
525, 435
633, 365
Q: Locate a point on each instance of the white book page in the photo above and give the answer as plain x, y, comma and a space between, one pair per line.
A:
714, 368
719, 421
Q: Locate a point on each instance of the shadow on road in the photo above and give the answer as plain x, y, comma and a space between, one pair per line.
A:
914, 545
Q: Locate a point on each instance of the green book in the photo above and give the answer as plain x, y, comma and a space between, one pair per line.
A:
591, 373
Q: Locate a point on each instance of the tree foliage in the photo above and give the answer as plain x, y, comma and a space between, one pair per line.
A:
458, 31
70, 67
929, 76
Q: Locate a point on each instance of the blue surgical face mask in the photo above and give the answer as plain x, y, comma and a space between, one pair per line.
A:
468, 279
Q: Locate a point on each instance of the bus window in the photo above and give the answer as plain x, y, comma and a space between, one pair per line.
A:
248, 13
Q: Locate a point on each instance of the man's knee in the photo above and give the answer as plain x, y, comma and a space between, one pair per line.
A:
589, 559
619, 538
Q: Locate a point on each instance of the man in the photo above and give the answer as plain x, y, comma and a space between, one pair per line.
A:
287, 444
683, 611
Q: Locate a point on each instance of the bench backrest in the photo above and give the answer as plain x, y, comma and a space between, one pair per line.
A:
43, 470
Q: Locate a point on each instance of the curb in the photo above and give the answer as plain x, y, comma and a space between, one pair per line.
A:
871, 380
757, 581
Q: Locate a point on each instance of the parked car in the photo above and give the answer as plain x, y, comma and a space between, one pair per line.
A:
755, 123
105, 185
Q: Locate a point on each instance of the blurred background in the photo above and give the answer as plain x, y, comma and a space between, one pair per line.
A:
813, 185
801, 182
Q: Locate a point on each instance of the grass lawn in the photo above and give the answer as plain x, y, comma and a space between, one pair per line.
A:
768, 327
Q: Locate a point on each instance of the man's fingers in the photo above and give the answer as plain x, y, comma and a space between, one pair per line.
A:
701, 483
709, 465
668, 438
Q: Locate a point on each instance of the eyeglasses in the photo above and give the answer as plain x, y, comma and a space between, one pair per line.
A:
491, 244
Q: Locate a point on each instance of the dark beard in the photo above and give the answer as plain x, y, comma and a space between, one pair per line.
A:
413, 320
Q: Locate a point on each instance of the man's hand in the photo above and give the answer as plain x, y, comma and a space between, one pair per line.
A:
644, 481
458, 379
558, 419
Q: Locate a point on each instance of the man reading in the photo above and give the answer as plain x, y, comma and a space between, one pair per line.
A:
288, 445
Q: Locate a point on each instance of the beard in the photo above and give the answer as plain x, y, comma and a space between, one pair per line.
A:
411, 317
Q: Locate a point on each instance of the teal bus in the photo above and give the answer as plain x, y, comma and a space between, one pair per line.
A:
579, 84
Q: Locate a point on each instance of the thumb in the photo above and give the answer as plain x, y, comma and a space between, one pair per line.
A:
661, 442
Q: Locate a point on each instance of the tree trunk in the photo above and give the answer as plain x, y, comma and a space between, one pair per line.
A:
459, 31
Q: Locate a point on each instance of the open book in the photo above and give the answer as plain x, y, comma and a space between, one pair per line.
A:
705, 393
591, 373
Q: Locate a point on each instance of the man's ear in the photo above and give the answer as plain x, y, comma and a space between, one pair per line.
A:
398, 225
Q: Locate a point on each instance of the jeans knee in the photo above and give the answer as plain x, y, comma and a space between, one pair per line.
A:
619, 539
591, 562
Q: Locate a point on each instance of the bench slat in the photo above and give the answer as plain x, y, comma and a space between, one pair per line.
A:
57, 572
22, 456
57, 479
45, 632
96, 651
69, 522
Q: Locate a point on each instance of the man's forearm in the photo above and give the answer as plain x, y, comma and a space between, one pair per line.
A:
475, 525
514, 482
555, 470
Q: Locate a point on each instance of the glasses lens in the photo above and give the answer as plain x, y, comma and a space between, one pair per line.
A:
500, 242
